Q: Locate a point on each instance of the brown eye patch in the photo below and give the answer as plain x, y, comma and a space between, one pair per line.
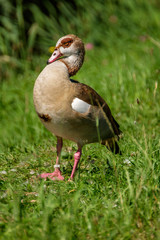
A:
66, 42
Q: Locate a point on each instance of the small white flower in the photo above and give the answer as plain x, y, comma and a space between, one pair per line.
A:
127, 161
3, 172
115, 205
32, 172
13, 170
3, 195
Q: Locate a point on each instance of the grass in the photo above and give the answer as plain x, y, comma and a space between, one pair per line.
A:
120, 201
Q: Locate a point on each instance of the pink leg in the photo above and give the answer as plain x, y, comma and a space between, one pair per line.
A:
77, 157
56, 175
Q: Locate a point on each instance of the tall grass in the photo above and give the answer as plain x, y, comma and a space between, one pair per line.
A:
29, 26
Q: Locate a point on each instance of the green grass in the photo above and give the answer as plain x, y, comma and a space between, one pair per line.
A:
120, 201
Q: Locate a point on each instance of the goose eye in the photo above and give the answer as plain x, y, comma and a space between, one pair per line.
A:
66, 44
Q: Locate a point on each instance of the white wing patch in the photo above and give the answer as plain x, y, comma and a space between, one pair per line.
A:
79, 105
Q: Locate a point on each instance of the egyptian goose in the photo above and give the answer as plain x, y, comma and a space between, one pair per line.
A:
69, 109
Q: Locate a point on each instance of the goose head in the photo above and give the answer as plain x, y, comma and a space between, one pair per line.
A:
69, 50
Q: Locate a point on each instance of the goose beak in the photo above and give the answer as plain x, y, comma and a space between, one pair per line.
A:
55, 55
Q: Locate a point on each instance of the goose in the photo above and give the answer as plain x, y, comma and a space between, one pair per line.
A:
70, 109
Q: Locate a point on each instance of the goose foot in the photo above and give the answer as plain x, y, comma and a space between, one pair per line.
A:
56, 175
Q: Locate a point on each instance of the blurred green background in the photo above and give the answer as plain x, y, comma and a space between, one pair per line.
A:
28, 28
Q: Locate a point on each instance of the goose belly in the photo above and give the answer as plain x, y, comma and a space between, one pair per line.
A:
80, 130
